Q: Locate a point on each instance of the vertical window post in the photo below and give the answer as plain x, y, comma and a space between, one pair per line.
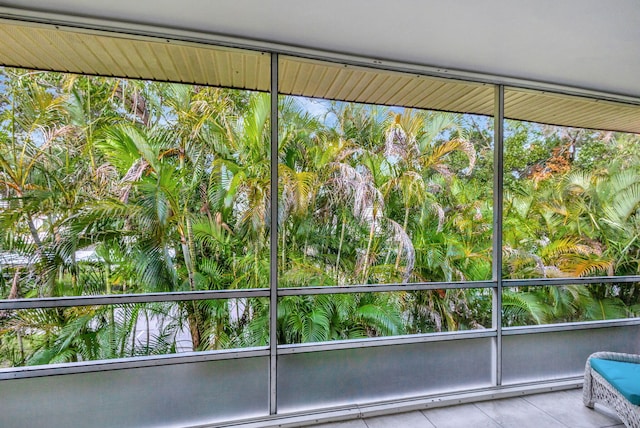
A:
273, 250
498, 181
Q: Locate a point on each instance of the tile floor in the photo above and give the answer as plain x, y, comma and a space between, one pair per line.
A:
551, 410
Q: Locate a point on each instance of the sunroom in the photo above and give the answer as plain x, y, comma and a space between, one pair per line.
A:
207, 230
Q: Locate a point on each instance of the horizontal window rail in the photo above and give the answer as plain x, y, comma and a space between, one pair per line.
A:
69, 301
129, 363
66, 302
543, 282
384, 341
571, 326
375, 288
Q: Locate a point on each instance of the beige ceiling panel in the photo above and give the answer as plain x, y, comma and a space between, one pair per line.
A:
237, 68
379, 83
50, 48
361, 80
302, 77
224, 67
565, 110
177, 63
414, 91
325, 81
189, 61
452, 96
38, 47
341, 82
477, 100
170, 67
60, 47
98, 57
217, 70
264, 78
385, 94
142, 58
112, 54
405, 91
10, 49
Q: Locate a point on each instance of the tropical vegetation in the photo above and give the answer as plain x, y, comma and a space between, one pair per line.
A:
112, 186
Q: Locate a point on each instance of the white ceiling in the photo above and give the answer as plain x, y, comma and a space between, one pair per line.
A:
589, 44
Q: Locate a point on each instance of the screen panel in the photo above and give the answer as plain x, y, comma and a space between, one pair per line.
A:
164, 396
548, 356
555, 304
121, 186
571, 190
329, 317
77, 334
384, 177
352, 376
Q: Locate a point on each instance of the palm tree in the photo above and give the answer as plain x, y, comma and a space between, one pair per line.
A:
321, 318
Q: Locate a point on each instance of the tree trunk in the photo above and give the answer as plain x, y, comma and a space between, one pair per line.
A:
194, 325
15, 287
367, 254
400, 246
193, 314
344, 223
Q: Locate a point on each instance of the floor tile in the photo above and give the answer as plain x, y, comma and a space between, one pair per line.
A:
551, 410
463, 415
405, 420
567, 407
517, 413
356, 423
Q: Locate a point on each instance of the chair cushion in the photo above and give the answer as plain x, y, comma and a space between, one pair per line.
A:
623, 376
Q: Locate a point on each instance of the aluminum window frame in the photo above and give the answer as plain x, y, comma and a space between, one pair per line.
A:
273, 350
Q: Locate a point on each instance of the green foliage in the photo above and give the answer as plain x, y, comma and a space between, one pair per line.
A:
168, 188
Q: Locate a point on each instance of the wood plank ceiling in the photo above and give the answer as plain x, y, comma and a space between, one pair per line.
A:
45, 47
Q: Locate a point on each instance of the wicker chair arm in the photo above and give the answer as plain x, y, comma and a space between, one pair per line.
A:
615, 356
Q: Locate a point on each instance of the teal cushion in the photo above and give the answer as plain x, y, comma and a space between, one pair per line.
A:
623, 376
